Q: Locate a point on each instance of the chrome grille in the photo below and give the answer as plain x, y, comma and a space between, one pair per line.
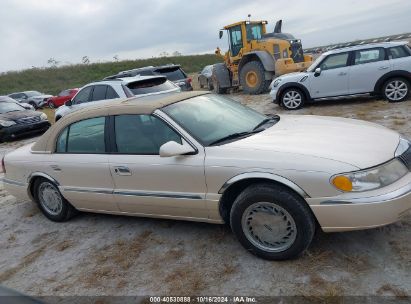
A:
28, 120
406, 158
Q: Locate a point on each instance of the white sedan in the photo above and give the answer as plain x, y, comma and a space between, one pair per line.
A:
202, 157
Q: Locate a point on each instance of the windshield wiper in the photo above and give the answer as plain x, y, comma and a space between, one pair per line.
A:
234, 136
275, 118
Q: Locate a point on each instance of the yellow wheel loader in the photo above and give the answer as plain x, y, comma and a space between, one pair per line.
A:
255, 57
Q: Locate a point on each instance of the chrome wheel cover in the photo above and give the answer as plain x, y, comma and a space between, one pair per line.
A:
292, 99
269, 227
50, 198
396, 90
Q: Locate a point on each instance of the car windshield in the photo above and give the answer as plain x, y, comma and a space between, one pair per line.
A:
212, 118
6, 107
32, 93
315, 63
172, 73
152, 85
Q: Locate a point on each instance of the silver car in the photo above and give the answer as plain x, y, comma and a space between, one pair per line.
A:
107, 90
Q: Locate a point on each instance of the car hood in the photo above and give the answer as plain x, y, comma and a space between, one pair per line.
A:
355, 142
295, 76
18, 115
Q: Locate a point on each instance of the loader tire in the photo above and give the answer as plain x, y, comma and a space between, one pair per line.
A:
252, 78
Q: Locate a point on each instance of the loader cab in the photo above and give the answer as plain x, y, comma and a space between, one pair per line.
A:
240, 35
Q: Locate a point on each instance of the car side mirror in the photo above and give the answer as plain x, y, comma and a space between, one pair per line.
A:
172, 148
317, 72
68, 103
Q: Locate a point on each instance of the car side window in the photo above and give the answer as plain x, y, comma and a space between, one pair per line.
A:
369, 55
334, 61
86, 136
99, 93
142, 134
83, 95
64, 93
111, 94
397, 52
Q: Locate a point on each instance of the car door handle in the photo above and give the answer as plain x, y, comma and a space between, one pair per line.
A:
122, 170
383, 68
342, 74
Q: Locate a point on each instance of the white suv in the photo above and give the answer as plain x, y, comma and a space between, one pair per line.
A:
369, 69
107, 90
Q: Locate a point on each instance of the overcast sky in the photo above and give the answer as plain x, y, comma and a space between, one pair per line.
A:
32, 31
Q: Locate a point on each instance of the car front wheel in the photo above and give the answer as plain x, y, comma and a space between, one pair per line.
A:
53, 205
272, 222
292, 99
396, 90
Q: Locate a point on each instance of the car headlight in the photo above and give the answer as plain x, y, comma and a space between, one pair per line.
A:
276, 82
43, 116
370, 179
403, 146
6, 123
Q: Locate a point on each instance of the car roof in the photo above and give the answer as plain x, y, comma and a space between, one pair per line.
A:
146, 68
366, 46
125, 80
133, 105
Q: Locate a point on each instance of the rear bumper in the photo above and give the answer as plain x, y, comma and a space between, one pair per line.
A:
343, 214
17, 131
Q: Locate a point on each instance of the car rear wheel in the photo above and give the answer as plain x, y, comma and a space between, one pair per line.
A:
292, 99
33, 104
396, 90
272, 222
53, 205
51, 105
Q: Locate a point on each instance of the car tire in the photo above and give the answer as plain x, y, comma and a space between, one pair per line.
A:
264, 208
396, 89
33, 104
201, 85
209, 85
292, 99
51, 105
50, 201
217, 89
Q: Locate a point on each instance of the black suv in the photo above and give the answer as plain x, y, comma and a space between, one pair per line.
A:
173, 72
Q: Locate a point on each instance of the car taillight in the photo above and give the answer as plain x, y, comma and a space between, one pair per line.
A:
189, 80
3, 168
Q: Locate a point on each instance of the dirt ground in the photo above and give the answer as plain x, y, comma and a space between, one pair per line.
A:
113, 255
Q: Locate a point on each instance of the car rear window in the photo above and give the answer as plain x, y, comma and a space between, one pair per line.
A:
150, 86
172, 74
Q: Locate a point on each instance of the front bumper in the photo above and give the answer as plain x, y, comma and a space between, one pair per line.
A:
16, 131
273, 94
377, 208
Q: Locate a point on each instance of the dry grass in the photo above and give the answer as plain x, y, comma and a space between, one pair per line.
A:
64, 245
112, 261
185, 280
388, 289
321, 291
25, 262
50, 114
